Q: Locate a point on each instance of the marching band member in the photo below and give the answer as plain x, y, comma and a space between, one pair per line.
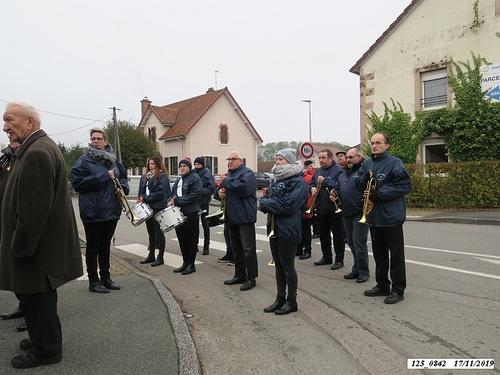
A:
154, 190
325, 179
92, 178
238, 190
186, 195
285, 203
386, 218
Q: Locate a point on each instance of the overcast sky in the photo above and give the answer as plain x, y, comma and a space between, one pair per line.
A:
72, 58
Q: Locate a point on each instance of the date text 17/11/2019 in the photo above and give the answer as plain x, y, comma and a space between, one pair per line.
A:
450, 363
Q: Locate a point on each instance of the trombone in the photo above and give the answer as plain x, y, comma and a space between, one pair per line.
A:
120, 194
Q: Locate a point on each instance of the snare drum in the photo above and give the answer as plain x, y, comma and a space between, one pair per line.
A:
170, 218
215, 218
141, 212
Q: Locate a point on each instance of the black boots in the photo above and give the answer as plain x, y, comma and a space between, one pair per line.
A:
289, 307
190, 268
280, 301
181, 268
159, 260
150, 258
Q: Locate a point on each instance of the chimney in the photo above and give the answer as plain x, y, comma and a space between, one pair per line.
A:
145, 103
210, 89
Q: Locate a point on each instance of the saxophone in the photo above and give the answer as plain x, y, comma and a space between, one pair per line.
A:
367, 203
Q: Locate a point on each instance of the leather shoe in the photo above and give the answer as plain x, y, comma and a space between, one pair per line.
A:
394, 298
189, 269
28, 360
108, 283
323, 261
351, 276
206, 252
25, 345
22, 326
374, 292
249, 284
97, 287
17, 313
158, 262
362, 279
181, 268
337, 265
149, 259
305, 256
234, 281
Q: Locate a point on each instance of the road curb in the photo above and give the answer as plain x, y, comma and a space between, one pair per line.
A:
188, 357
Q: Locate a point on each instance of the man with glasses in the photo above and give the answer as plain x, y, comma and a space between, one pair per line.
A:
386, 217
352, 210
237, 188
93, 177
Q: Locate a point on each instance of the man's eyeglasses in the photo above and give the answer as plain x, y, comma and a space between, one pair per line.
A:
378, 143
233, 159
96, 139
351, 157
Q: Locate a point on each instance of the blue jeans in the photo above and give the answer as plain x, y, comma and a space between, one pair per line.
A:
357, 235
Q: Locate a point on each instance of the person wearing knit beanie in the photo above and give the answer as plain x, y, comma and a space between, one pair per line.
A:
288, 154
187, 162
200, 161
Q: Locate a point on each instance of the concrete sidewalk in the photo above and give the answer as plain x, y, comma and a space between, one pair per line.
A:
136, 330
477, 217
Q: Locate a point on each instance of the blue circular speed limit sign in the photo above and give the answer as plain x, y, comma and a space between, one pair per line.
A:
306, 150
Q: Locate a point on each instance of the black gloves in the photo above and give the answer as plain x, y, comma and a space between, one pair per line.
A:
374, 196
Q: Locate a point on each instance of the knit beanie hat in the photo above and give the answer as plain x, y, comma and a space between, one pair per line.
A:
288, 154
200, 160
187, 162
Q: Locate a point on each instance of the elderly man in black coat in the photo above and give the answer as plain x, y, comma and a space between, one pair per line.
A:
39, 248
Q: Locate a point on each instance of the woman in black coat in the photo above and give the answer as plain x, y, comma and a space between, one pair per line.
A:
154, 190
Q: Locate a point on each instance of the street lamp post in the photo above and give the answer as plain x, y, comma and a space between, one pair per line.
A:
309, 102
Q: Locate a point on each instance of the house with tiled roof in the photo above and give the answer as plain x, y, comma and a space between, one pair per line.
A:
410, 61
209, 125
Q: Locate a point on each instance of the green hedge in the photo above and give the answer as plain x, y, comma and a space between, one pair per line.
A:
455, 185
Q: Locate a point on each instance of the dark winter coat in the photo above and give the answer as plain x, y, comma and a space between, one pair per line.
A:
189, 202
241, 200
287, 203
97, 198
350, 196
324, 205
39, 236
159, 192
393, 183
208, 183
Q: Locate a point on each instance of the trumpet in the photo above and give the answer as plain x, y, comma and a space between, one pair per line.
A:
270, 215
223, 207
367, 204
120, 194
313, 200
335, 195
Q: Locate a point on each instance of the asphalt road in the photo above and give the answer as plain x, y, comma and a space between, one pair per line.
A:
451, 306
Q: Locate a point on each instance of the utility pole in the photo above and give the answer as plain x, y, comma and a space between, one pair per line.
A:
310, 132
117, 137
